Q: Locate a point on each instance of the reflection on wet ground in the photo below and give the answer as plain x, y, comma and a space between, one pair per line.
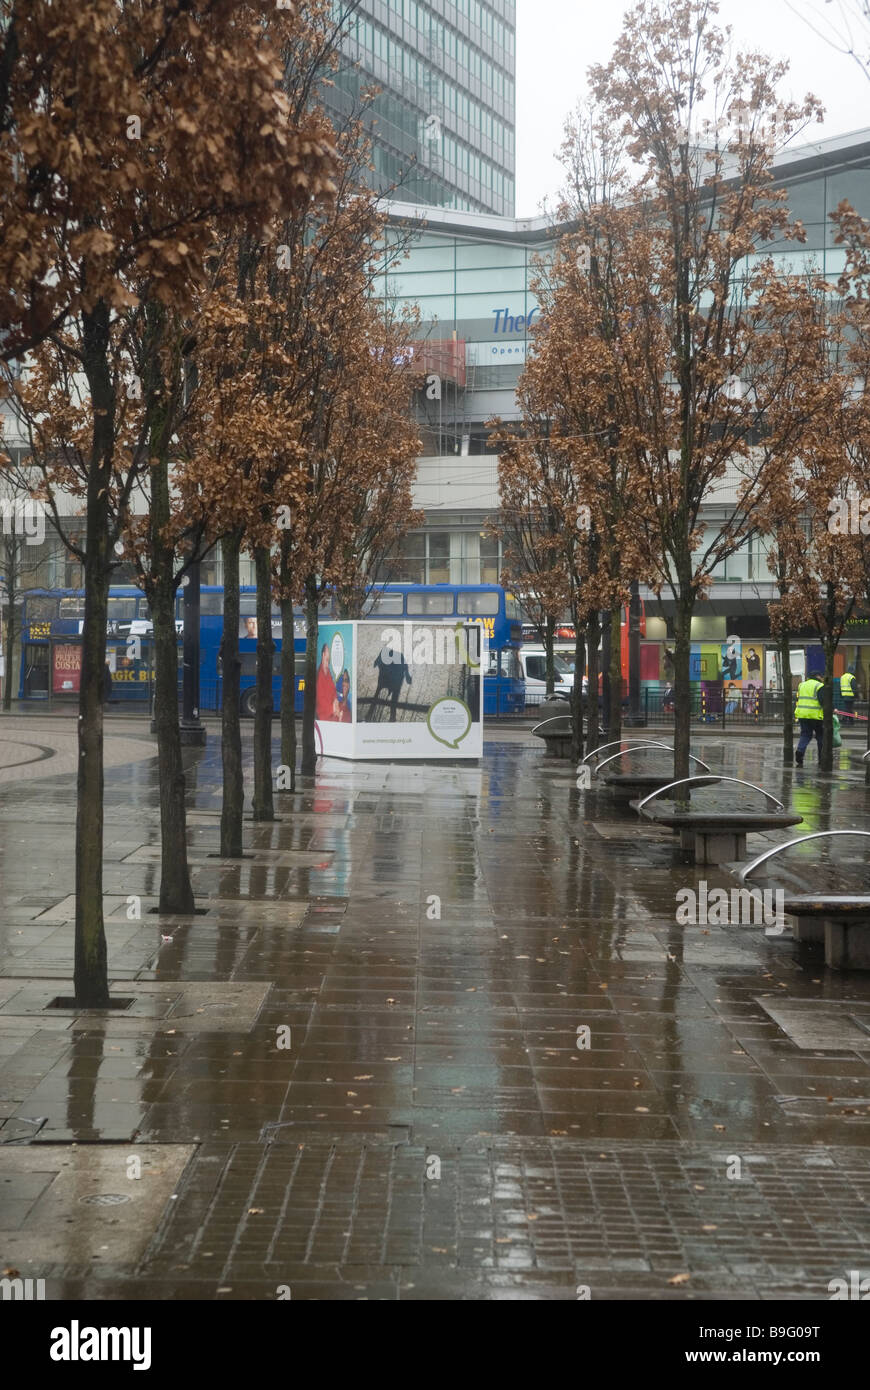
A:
447, 1039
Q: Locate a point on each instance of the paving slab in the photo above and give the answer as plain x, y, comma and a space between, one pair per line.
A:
80, 1205
480, 967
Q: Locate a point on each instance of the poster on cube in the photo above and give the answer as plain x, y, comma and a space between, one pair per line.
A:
407, 690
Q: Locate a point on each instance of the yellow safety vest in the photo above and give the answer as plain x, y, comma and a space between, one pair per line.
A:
808, 706
847, 685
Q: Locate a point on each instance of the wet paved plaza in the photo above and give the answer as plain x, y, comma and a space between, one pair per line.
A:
440, 1036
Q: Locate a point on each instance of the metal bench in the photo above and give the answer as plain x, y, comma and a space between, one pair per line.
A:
557, 734
840, 920
628, 745
629, 785
714, 835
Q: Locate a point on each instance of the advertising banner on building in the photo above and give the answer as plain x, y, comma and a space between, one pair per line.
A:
66, 668
410, 690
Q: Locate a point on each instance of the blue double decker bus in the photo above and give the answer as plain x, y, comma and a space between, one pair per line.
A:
51, 639
51, 627
389, 604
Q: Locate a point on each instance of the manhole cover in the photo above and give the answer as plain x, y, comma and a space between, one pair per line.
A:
104, 1199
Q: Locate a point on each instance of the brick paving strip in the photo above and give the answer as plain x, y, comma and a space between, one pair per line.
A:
371, 1100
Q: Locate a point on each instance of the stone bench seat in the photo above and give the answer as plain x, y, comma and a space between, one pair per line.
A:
630, 782
714, 833
716, 837
556, 733
628, 785
840, 921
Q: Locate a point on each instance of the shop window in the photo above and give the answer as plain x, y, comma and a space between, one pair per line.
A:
439, 558
490, 559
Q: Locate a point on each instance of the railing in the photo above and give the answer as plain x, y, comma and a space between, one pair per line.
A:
744, 711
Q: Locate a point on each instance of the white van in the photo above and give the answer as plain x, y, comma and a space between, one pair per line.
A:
533, 666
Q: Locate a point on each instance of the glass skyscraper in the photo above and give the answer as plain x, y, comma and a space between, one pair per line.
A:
443, 124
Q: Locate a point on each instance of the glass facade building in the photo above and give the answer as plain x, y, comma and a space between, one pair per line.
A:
443, 124
469, 276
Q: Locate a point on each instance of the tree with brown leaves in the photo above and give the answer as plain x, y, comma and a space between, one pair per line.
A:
701, 320
129, 132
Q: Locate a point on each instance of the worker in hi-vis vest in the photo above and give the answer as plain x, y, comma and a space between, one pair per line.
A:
809, 714
847, 696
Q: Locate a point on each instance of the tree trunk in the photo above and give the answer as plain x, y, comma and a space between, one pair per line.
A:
826, 761
614, 726
264, 808
288, 663
682, 682
9, 638
605, 673
787, 703
634, 617
577, 692
90, 970
309, 709
232, 805
550, 669
176, 894
867, 760
593, 638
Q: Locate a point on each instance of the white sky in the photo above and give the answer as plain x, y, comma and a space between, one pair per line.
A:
557, 40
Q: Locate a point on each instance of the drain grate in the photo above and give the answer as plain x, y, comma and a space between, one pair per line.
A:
197, 912
104, 1199
67, 1001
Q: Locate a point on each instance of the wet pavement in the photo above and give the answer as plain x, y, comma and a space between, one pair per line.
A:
440, 1036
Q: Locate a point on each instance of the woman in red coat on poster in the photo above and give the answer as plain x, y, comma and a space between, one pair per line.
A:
325, 697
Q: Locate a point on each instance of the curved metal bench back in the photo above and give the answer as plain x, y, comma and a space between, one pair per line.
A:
613, 757
553, 720
637, 743
800, 840
684, 781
